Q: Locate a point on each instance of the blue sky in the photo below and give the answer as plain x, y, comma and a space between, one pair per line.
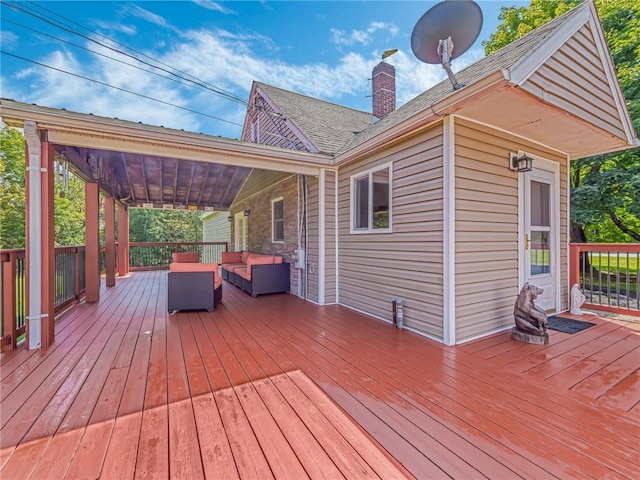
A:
322, 49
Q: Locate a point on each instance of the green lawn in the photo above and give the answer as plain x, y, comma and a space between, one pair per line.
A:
623, 262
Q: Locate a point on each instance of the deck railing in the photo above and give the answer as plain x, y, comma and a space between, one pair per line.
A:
69, 285
157, 255
608, 275
13, 306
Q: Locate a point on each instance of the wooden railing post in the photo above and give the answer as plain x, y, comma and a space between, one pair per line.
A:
110, 240
9, 298
76, 259
574, 265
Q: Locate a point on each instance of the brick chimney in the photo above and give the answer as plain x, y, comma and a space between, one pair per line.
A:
384, 89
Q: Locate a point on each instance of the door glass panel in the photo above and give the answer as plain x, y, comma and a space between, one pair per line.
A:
540, 204
540, 253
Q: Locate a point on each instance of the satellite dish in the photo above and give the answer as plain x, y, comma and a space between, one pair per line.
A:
446, 31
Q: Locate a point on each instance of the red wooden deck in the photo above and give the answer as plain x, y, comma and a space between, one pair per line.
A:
275, 387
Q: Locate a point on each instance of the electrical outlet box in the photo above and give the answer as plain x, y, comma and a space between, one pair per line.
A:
300, 258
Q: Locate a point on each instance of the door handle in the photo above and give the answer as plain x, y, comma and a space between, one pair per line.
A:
526, 241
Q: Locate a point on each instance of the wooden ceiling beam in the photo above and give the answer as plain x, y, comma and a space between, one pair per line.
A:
175, 182
204, 183
132, 193
188, 195
144, 178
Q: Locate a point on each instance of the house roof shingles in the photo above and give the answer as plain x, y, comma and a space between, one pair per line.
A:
328, 125
504, 58
335, 129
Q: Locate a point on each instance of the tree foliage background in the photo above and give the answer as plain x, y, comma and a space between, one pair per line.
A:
144, 225
605, 193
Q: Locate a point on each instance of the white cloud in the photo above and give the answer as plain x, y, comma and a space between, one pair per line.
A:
215, 6
148, 16
227, 60
129, 30
363, 37
9, 40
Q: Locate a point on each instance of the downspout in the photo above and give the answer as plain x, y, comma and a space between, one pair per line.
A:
34, 170
305, 201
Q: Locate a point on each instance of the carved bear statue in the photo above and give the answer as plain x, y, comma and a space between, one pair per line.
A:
529, 317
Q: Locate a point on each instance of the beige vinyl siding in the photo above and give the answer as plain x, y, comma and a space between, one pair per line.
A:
216, 227
311, 274
374, 268
574, 79
486, 243
330, 237
259, 180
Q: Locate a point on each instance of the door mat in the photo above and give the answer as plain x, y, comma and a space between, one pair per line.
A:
567, 325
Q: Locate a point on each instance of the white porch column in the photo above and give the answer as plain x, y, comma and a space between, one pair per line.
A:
34, 235
449, 237
321, 235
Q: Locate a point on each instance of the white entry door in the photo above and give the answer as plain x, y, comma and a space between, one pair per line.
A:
539, 254
241, 232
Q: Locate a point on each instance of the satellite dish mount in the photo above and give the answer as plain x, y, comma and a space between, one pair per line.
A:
442, 27
445, 49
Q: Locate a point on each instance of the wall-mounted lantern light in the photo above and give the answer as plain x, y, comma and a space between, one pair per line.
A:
247, 213
230, 218
521, 163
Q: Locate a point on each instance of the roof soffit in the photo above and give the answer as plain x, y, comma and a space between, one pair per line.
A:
584, 15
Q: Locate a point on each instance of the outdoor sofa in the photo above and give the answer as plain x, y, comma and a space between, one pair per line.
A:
192, 285
256, 273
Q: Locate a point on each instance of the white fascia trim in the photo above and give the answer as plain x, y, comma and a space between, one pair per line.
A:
92, 131
294, 128
527, 66
34, 259
321, 235
422, 119
449, 230
610, 70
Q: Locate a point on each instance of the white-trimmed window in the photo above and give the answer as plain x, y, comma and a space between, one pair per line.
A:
277, 220
371, 200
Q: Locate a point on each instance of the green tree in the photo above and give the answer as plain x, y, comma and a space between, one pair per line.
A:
69, 201
165, 225
69, 212
12, 178
605, 193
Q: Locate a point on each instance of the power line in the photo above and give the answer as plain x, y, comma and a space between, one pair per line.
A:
118, 88
61, 40
197, 81
69, 29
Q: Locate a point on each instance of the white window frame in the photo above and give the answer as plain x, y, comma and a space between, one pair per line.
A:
273, 219
352, 211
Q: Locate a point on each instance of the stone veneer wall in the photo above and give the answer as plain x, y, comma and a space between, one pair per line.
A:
260, 222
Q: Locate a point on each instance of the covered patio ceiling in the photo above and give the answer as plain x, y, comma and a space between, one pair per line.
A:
140, 180
147, 166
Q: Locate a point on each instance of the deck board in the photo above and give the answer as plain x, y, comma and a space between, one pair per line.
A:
275, 387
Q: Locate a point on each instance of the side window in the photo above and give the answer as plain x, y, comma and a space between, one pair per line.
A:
277, 220
371, 200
